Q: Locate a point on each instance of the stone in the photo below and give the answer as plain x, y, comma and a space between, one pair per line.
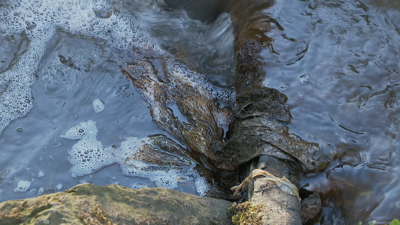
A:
310, 207
114, 204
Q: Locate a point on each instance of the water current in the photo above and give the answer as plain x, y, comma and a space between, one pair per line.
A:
337, 61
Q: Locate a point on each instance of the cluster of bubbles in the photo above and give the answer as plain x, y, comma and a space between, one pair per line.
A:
199, 81
98, 106
98, 19
23, 186
88, 156
38, 21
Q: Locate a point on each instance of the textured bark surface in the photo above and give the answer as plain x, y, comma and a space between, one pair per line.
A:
280, 207
259, 126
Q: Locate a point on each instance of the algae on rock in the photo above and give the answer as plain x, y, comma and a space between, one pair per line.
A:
113, 204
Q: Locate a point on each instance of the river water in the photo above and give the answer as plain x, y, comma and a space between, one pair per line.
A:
339, 64
337, 61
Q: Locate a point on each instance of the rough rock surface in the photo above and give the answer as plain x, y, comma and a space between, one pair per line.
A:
310, 207
113, 204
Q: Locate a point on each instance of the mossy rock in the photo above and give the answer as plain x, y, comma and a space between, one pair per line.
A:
113, 204
247, 213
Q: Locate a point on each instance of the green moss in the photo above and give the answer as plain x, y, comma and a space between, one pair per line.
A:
113, 204
393, 222
246, 213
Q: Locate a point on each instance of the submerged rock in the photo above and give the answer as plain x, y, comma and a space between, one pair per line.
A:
310, 207
113, 204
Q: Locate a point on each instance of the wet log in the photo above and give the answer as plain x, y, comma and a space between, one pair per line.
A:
259, 127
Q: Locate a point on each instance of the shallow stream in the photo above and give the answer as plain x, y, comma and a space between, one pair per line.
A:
337, 61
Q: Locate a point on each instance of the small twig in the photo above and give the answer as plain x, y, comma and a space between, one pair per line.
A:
283, 183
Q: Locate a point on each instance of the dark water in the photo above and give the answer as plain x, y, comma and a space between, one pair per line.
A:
337, 61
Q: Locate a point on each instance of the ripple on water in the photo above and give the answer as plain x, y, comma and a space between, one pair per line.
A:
347, 56
61, 57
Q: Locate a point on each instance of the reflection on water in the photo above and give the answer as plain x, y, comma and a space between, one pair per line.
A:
338, 62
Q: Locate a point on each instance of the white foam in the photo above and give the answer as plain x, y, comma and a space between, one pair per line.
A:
82, 130
59, 187
199, 81
97, 19
22, 186
88, 155
305, 78
201, 186
98, 106
41, 173
40, 191
39, 21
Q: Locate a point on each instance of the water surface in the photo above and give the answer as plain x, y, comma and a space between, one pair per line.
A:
338, 62
62, 57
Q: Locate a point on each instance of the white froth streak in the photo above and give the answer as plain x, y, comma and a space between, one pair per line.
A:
101, 157
39, 20
16, 101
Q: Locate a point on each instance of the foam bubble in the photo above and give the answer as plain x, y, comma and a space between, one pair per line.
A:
98, 106
199, 81
305, 78
132, 167
59, 187
38, 20
82, 130
201, 186
22, 186
41, 173
40, 191
88, 155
